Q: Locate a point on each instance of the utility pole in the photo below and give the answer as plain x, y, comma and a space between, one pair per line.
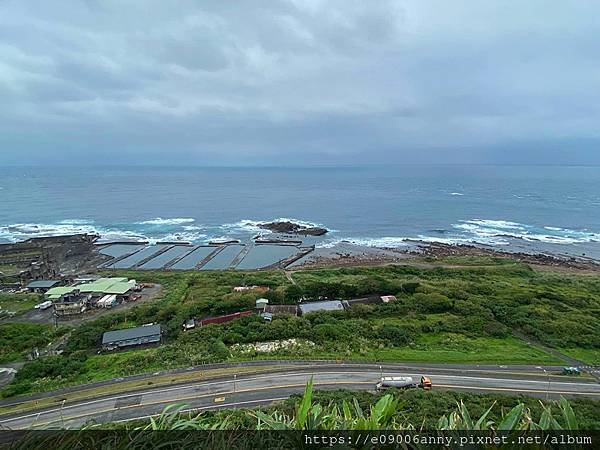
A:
548, 378
62, 417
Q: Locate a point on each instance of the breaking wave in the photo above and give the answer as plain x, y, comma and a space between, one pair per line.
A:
489, 229
479, 231
21, 231
161, 221
152, 230
493, 232
250, 225
388, 242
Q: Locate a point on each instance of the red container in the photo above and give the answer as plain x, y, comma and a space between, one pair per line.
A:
225, 318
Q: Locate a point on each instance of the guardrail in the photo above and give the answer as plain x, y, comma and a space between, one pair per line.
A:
297, 361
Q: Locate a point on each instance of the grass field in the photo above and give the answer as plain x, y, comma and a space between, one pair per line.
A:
18, 303
442, 315
455, 348
590, 356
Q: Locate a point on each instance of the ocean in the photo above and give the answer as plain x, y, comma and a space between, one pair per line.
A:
516, 208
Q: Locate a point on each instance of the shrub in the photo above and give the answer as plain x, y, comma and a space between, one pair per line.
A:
395, 335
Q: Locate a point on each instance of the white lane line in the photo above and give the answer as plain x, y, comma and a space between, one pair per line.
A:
202, 408
299, 374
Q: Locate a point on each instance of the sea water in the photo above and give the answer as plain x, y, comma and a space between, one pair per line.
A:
535, 208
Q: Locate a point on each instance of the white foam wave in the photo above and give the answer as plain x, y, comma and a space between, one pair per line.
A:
220, 239
457, 193
192, 227
22, 231
490, 230
388, 242
251, 225
183, 237
76, 222
161, 221
110, 235
464, 240
245, 225
504, 224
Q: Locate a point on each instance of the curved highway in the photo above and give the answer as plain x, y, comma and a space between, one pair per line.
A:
249, 390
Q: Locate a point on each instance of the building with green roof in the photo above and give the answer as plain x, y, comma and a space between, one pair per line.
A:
121, 287
101, 285
57, 292
105, 286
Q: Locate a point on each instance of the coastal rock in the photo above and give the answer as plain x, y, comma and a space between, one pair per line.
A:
293, 228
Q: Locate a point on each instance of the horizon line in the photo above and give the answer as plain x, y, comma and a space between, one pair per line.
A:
295, 166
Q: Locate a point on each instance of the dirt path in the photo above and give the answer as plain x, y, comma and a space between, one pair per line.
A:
288, 275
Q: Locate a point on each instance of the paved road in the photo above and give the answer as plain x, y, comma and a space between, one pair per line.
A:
252, 390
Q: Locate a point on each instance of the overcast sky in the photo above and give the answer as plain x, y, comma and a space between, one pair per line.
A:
299, 82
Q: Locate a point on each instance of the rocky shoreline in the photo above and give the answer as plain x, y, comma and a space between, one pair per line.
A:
427, 253
287, 227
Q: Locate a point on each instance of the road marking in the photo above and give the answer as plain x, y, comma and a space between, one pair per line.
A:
283, 386
299, 373
226, 405
515, 390
373, 366
264, 388
289, 386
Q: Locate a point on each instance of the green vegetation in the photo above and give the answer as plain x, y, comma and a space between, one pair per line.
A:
589, 355
329, 411
424, 408
18, 303
18, 339
559, 310
442, 315
412, 409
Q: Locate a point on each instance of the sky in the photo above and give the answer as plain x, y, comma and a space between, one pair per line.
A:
299, 82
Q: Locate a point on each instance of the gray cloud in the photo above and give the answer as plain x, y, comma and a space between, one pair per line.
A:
299, 82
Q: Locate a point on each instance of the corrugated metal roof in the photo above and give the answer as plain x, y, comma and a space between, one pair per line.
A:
281, 309
42, 284
130, 333
120, 287
332, 305
102, 285
60, 290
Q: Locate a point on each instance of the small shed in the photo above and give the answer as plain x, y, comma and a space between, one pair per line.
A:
331, 305
189, 324
148, 334
262, 303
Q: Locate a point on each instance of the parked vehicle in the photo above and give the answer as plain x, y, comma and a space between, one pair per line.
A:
403, 383
44, 305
